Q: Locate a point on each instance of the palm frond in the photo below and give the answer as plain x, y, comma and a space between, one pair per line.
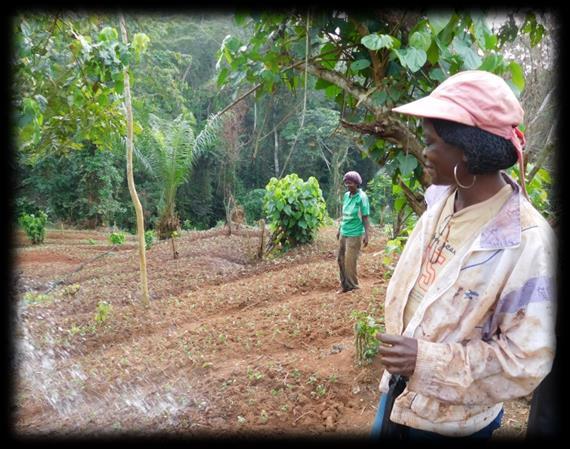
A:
145, 161
207, 137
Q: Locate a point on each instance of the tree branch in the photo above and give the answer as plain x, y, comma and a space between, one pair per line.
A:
339, 80
413, 199
391, 129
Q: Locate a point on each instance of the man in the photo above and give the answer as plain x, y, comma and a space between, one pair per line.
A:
354, 224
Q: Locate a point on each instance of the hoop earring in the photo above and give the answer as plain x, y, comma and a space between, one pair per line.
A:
457, 180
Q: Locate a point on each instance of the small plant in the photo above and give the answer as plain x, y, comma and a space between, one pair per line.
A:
365, 341
174, 235
34, 226
82, 330
117, 238
254, 375
102, 312
312, 379
187, 225
263, 417
148, 239
35, 298
71, 289
320, 390
91, 241
74, 330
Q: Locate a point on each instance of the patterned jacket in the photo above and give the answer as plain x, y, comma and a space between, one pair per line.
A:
485, 328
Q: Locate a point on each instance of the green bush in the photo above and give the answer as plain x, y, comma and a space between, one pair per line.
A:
34, 226
148, 239
117, 238
295, 209
252, 203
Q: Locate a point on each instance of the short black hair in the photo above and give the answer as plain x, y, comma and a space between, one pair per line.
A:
485, 152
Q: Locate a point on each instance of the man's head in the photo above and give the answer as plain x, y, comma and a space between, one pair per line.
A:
352, 180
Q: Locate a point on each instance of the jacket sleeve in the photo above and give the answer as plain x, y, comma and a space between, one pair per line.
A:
517, 350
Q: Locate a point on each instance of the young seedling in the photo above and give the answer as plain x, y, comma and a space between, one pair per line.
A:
365, 341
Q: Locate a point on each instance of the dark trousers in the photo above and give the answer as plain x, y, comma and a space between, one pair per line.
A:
544, 416
347, 258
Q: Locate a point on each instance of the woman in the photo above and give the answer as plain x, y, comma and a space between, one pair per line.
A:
470, 308
354, 224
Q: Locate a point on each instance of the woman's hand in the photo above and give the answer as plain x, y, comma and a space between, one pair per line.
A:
366, 230
398, 354
338, 234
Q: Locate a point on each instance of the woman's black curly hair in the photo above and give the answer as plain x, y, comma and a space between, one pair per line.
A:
485, 152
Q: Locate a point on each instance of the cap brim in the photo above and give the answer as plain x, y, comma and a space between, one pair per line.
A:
431, 107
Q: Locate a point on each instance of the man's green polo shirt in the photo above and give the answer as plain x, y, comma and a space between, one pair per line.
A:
354, 207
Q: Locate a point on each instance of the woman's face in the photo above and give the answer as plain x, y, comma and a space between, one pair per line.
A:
351, 186
440, 157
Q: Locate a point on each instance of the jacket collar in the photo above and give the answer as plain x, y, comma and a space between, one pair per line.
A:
504, 231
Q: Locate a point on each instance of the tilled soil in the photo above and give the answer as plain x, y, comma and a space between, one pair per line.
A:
229, 346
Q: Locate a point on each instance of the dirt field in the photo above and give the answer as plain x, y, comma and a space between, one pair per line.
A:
229, 345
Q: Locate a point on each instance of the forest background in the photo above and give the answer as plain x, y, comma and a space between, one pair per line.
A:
322, 118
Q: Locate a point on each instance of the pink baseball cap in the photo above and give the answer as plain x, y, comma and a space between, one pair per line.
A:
475, 98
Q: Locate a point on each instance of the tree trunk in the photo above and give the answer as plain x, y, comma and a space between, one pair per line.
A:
276, 153
261, 238
130, 176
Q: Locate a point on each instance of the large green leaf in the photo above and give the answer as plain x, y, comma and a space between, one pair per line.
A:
359, 65
412, 58
329, 57
420, 40
471, 60
438, 21
517, 75
332, 91
377, 41
407, 163
492, 63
